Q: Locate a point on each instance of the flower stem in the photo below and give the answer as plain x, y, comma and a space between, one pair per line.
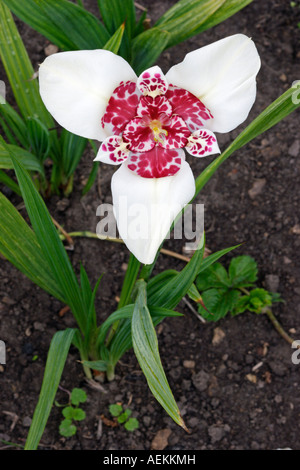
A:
277, 325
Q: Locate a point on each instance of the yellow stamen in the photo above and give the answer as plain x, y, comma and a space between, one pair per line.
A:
159, 134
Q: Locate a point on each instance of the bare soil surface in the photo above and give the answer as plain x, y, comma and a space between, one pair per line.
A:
241, 393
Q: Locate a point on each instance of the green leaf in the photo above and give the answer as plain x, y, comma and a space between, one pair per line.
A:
242, 271
214, 276
38, 137
114, 43
27, 159
56, 359
115, 409
146, 350
129, 281
278, 110
171, 293
226, 10
209, 260
79, 414
65, 24
14, 126
218, 303
124, 416
147, 47
132, 424
186, 17
50, 243
66, 428
19, 69
9, 182
254, 302
19, 244
68, 412
78, 396
72, 148
123, 11
96, 365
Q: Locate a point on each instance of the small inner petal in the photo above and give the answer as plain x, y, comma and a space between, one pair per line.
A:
138, 134
157, 163
176, 133
121, 107
152, 82
115, 149
189, 107
202, 143
154, 107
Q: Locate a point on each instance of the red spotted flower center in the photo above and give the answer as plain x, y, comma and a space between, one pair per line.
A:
151, 122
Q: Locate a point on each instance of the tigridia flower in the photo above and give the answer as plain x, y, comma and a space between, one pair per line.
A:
146, 122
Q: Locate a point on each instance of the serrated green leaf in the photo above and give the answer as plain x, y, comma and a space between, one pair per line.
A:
78, 396
242, 271
56, 359
255, 301
218, 302
145, 346
214, 276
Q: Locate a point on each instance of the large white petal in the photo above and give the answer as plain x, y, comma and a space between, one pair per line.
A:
223, 76
146, 207
76, 86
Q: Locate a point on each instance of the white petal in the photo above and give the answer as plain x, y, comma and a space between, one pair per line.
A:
146, 207
223, 76
76, 86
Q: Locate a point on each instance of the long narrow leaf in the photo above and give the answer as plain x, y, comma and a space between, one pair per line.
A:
9, 182
50, 243
28, 160
19, 69
67, 25
145, 346
188, 18
177, 287
56, 359
129, 281
12, 122
116, 12
18, 243
147, 47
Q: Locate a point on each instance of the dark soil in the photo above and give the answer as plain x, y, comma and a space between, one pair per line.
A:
242, 393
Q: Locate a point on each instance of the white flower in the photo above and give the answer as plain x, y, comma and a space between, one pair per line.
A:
145, 122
